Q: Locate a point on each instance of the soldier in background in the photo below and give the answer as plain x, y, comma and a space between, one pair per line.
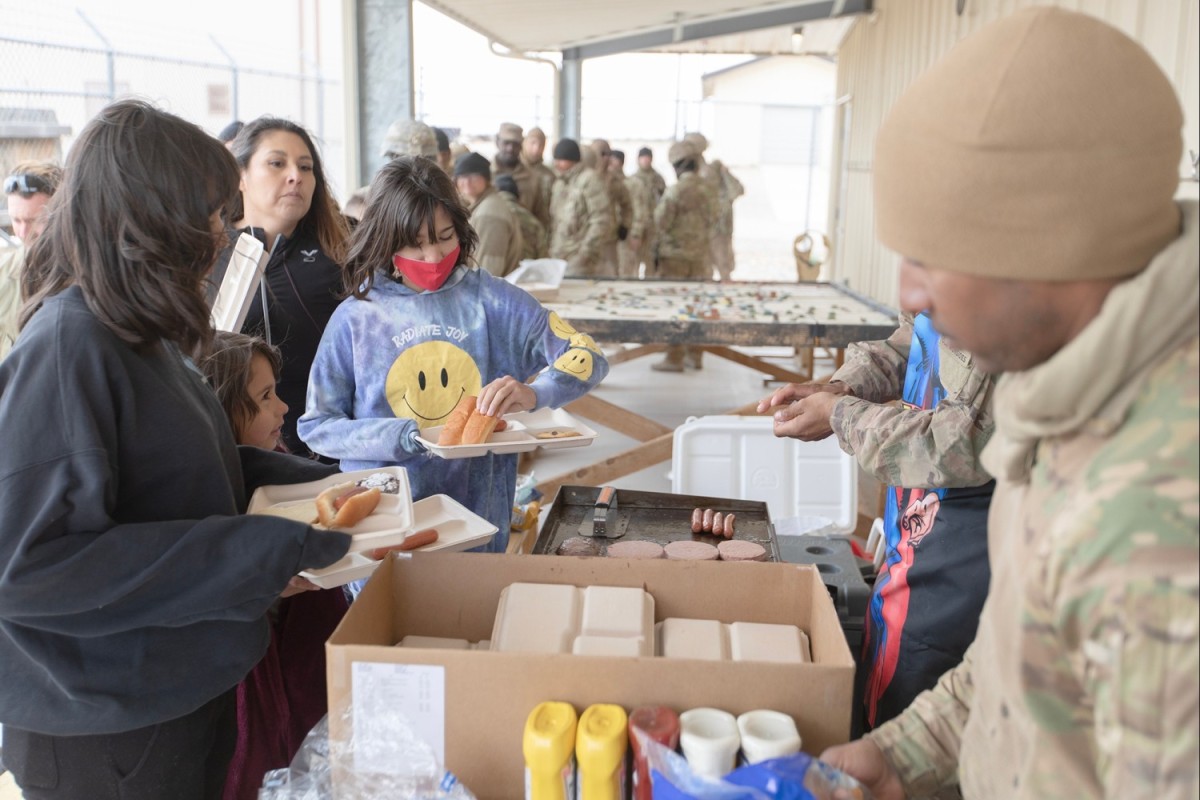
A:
631, 252
499, 247
684, 220
580, 221
408, 137
727, 189
534, 241
1052, 249
534, 186
926, 600
444, 158
618, 200
647, 174
533, 149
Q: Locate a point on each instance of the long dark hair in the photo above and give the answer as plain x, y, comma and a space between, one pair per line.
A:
403, 197
131, 226
323, 220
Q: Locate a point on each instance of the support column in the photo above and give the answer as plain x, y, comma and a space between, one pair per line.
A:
383, 76
570, 97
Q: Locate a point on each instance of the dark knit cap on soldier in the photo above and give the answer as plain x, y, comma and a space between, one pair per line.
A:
645, 151
506, 183
472, 164
567, 150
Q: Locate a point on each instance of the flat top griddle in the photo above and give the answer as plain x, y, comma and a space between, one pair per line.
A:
659, 517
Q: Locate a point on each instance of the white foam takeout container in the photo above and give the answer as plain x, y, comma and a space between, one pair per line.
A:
519, 437
386, 526
458, 529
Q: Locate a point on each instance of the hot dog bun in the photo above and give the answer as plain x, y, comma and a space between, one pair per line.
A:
479, 428
351, 511
452, 431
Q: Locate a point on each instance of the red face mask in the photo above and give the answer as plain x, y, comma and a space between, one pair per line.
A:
428, 275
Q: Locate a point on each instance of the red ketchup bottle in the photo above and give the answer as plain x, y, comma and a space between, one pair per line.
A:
660, 724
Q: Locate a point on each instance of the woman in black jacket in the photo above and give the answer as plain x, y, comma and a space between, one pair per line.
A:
133, 588
286, 203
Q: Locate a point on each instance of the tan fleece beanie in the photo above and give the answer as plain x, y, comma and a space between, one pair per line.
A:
1045, 147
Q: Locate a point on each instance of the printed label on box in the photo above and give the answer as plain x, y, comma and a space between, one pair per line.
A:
385, 696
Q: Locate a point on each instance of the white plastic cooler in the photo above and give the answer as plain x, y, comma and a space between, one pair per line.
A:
740, 457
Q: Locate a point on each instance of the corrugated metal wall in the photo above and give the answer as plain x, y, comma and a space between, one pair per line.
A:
885, 51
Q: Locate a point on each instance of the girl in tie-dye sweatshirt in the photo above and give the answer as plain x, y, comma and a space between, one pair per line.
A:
422, 329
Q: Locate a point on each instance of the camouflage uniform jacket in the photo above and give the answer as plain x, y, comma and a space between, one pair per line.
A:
533, 233
499, 247
11, 261
642, 202
581, 221
618, 200
534, 187
684, 219
727, 188
1081, 682
653, 181
545, 179
902, 446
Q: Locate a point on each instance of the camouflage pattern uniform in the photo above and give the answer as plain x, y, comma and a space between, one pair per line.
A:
1081, 682
683, 220
534, 243
580, 222
641, 230
728, 189
534, 187
500, 244
653, 181
621, 207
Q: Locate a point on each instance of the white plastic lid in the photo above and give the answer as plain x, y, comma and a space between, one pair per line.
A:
741, 458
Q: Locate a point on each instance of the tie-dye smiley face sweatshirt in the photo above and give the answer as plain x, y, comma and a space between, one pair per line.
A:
398, 361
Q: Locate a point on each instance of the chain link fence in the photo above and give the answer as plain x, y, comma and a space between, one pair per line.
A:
49, 91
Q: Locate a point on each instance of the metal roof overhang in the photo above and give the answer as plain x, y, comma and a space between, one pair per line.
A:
582, 29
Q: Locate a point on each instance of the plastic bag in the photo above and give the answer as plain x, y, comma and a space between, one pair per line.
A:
796, 777
349, 770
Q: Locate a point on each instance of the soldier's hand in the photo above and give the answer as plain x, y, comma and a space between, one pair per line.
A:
786, 395
865, 762
806, 419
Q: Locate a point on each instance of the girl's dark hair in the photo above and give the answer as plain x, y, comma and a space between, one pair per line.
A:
227, 368
400, 205
131, 226
324, 220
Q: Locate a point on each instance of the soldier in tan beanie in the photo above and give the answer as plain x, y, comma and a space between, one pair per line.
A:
1027, 181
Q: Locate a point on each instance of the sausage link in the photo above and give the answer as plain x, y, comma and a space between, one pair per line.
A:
718, 528
419, 539
729, 518
708, 520
697, 520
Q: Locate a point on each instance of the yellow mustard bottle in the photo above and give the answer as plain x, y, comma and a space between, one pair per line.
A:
600, 748
549, 746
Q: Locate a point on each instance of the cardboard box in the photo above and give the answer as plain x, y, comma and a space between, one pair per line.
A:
488, 695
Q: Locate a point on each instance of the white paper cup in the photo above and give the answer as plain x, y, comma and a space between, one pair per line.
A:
767, 734
709, 739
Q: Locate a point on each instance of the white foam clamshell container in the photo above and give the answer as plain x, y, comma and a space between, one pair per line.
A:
596, 620
741, 458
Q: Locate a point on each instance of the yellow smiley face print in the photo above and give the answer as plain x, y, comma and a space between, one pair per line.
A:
577, 362
562, 330
427, 380
583, 340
